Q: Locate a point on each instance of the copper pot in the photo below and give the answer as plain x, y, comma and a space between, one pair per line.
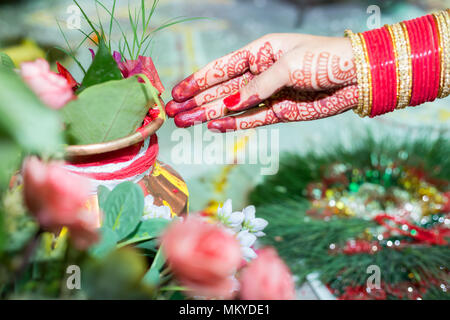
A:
163, 183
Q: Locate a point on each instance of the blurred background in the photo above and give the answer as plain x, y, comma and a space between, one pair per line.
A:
29, 30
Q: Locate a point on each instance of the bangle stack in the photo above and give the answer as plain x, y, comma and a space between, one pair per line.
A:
405, 64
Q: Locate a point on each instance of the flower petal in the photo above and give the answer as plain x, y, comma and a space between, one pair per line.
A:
236, 218
258, 224
246, 239
248, 253
249, 213
227, 207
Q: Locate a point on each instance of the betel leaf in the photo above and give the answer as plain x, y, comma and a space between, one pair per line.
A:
123, 209
24, 118
147, 230
107, 111
107, 243
103, 69
6, 61
102, 195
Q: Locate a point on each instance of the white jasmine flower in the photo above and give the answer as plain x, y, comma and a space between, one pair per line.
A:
229, 218
253, 224
152, 211
247, 240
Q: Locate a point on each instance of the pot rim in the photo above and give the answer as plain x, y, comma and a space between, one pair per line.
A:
114, 145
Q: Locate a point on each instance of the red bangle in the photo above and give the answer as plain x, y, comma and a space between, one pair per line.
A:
437, 60
373, 50
425, 59
429, 57
419, 65
391, 73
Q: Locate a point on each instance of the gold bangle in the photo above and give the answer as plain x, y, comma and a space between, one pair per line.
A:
441, 54
368, 81
358, 54
400, 41
409, 54
443, 24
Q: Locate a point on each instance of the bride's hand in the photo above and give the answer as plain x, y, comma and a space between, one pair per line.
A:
277, 78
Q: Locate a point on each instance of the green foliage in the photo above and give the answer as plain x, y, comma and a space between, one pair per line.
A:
123, 226
153, 275
108, 242
117, 276
19, 227
147, 230
107, 111
6, 62
102, 195
123, 209
103, 69
139, 22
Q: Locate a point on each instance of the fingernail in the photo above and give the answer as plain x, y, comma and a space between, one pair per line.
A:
173, 107
223, 125
232, 100
185, 89
189, 118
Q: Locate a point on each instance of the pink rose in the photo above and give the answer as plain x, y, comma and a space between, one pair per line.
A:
54, 90
267, 278
203, 257
57, 198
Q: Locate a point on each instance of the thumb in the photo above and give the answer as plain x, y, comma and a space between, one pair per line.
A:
260, 88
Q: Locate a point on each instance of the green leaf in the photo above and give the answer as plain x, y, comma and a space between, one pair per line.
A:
102, 194
107, 111
24, 118
153, 276
6, 62
146, 230
108, 243
9, 161
104, 68
124, 208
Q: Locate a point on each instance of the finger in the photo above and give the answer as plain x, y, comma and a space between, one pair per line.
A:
200, 114
293, 105
290, 105
211, 94
260, 88
257, 90
258, 56
250, 119
218, 71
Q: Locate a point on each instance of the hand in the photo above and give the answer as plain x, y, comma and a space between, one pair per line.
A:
277, 78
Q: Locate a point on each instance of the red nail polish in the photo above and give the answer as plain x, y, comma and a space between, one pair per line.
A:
232, 100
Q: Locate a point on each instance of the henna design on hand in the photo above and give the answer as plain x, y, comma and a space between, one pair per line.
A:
323, 71
291, 105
